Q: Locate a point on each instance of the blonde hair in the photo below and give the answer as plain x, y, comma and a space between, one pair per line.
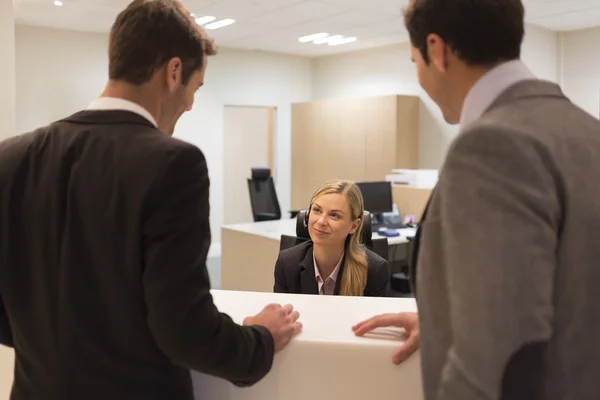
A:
354, 275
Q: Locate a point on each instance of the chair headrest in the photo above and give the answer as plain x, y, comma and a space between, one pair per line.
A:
261, 173
302, 226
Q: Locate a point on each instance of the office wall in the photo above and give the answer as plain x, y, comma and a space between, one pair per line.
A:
60, 72
580, 68
388, 70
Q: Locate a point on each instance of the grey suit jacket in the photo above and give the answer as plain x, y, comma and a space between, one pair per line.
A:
509, 257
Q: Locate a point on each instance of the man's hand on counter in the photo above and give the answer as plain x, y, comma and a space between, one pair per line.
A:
282, 322
408, 321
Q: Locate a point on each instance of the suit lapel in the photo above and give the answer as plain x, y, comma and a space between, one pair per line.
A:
308, 280
414, 256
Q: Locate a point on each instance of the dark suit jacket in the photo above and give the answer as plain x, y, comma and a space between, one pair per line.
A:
104, 232
295, 272
508, 261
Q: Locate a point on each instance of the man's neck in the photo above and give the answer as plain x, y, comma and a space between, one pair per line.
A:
140, 95
327, 259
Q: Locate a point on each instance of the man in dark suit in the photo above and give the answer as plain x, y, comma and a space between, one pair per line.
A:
105, 231
507, 253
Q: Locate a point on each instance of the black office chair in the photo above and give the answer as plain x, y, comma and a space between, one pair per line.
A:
378, 246
263, 197
400, 281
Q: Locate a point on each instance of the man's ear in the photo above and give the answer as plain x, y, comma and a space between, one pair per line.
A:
173, 73
438, 52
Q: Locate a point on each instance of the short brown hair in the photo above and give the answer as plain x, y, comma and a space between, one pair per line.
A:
149, 33
481, 32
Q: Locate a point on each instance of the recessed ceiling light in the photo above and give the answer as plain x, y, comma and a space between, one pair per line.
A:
329, 39
58, 3
310, 38
205, 20
342, 41
322, 38
220, 24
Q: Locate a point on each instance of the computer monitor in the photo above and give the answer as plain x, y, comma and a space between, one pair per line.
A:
377, 196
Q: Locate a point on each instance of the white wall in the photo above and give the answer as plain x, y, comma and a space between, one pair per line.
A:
60, 72
246, 78
581, 68
388, 70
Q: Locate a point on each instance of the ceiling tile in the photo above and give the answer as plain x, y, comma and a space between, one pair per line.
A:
393, 7
323, 25
239, 10
535, 9
239, 30
570, 21
298, 13
360, 17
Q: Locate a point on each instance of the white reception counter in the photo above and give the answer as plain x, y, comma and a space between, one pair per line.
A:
326, 361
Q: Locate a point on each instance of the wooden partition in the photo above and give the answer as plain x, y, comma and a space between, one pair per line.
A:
353, 139
410, 200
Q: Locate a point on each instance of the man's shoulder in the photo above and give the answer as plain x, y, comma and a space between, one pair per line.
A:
16, 146
181, 153
542, 117
374, 260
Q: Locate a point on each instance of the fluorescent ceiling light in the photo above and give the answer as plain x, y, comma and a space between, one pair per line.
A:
220, 24
328, 39
205, 20
342, 41
310, 38
58, 3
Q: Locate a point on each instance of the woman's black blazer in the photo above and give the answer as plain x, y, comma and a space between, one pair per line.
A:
295, 273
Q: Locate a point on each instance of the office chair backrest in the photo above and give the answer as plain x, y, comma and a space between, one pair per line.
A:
380, 247
263, 197
302, 226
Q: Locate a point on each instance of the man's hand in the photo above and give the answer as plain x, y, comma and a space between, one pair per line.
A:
282, 322
408, 321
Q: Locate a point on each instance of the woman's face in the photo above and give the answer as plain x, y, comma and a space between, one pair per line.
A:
330, 220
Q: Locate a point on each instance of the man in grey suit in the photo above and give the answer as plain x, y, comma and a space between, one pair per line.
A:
507, 250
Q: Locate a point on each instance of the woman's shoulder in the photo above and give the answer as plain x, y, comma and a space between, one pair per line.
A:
374, 260
297, 252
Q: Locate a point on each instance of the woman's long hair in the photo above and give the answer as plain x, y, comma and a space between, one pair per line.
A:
354, 276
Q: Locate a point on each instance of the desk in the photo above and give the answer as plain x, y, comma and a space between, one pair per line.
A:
7, 362
249, 252
326, 361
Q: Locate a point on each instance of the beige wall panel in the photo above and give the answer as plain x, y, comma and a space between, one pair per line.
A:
354, 139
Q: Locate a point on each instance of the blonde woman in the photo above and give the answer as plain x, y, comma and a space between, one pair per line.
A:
333, 262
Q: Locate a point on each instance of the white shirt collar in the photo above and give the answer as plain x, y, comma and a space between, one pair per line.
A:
113, 103
490, 86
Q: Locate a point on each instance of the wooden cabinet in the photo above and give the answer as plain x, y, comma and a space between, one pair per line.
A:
353, 139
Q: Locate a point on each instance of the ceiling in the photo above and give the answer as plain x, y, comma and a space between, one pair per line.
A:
276, 25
